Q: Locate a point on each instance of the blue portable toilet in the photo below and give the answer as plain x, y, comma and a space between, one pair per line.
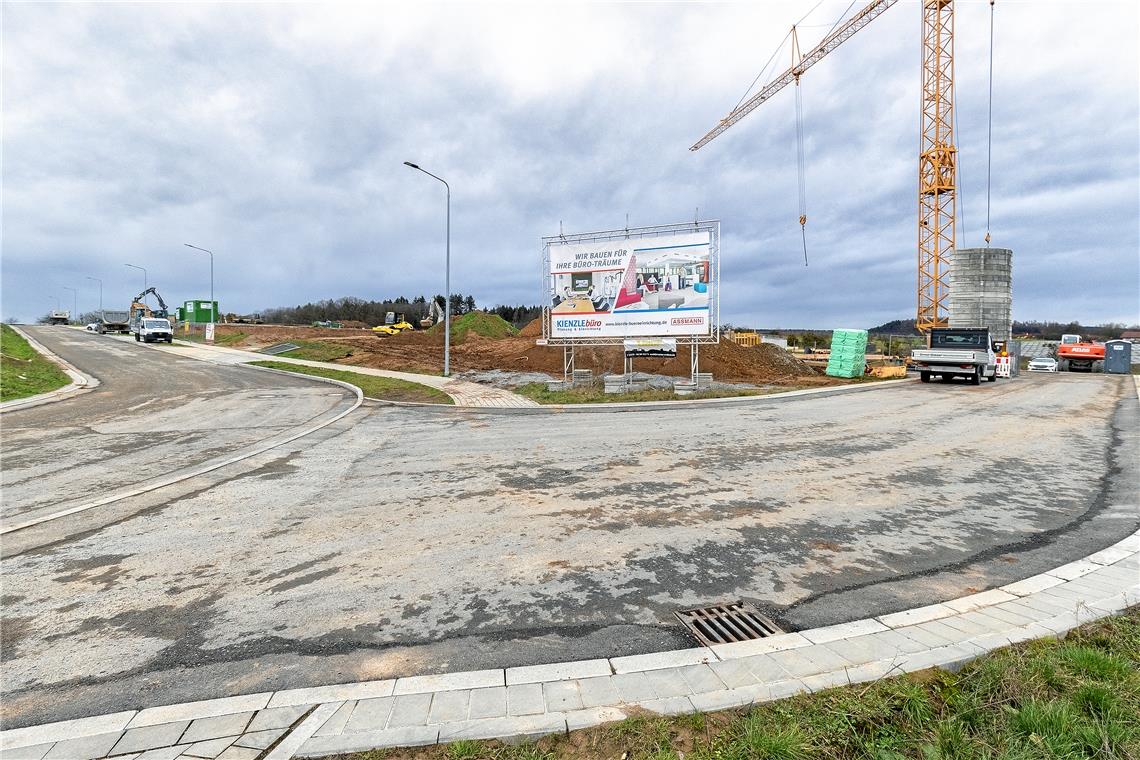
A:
1118, 357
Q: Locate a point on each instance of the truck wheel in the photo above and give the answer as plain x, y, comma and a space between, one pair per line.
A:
976, 378
992, 378
136, 337
924, 377
170, 340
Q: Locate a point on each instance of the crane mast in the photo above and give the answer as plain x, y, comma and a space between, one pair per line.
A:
937, 174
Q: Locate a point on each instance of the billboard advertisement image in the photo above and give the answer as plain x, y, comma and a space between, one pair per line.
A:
645, 286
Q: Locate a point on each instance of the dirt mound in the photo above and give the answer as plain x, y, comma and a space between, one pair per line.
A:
477, 323
532, 329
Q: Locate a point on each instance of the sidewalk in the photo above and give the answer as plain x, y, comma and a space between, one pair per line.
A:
530, 701
464, 393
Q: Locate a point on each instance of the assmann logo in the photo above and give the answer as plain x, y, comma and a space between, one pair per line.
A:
687, 321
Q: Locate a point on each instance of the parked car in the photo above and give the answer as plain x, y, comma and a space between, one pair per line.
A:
1043, 364
93, 327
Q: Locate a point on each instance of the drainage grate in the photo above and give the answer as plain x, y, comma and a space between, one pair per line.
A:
279, 348
725, 623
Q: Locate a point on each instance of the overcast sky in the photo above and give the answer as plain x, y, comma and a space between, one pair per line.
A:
274, 134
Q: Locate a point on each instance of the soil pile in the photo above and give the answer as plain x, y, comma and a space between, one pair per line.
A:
477, 323
533, 329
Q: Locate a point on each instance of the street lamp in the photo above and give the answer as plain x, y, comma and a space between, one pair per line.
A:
74, 303
136, 266
213, 306
96, 279
446, 276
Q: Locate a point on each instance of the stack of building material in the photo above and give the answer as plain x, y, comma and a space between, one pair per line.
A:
848, 353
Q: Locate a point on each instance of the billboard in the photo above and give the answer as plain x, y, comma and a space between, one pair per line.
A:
649, 285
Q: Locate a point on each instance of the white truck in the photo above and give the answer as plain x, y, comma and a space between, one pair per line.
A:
151, 329
957, 352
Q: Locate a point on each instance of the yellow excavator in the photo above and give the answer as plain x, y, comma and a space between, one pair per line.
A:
139, 308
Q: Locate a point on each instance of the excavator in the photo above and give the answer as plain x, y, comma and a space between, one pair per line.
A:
1076, 355
139, 307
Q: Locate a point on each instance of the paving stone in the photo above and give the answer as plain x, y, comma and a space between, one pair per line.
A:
206, 708
240, 753
150, 737
668, 683
824, 681
844, 631
765, 645
525, 699
162, 753
638, 663
1109, 555
669, 706
700, 678
765, 667
734, 673
1032, 584
49, 733
597, 692
871, 671
447, 706
593, 716
336, 723
368, 715
634, 687
915, 616
981, 599
488, 703
411, 736
337, 693
475, 679
509, 729
727, 699
559, 671
1074, 570
277, 717
1008, 616
83, 747
949, 658
216, 727
289, 744
796, 663
409, 710
875, 646
966, 625
210, 748
989, 623
928, 637
261, 739
561, 696
33, 752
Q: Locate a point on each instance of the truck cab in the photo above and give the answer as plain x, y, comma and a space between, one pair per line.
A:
966, 352
151, 329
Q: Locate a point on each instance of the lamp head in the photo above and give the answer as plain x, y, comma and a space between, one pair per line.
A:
409, 163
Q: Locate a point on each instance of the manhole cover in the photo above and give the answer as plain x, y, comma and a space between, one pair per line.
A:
726, 623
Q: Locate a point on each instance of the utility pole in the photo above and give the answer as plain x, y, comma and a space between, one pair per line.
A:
446, 276
96, 279
213, 306
74, 303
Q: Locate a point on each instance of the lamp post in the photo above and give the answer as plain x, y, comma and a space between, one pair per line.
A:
136, 266
74, 303
446, 276
213, 306
96, 279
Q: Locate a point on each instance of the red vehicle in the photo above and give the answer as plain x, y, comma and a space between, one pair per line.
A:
1075, 355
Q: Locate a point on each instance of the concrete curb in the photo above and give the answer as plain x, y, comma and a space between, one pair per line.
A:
203, 469
80, 383
527, 702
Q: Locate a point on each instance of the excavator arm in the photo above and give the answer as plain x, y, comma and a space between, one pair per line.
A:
151, 291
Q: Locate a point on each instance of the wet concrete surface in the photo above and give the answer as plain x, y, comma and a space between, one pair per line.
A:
394, 543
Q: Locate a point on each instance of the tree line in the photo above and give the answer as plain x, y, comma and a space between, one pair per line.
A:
373, 313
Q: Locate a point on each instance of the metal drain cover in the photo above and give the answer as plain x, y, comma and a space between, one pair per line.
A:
726, 623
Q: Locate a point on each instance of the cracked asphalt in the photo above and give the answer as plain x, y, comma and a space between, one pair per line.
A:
397, 542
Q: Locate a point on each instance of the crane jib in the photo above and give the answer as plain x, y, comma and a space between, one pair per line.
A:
829, 43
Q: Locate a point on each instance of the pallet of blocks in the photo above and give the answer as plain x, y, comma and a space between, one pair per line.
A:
848, 353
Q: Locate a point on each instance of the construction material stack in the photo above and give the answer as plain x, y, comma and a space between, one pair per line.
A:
848, 353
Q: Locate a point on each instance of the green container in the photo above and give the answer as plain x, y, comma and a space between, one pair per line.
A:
199, 312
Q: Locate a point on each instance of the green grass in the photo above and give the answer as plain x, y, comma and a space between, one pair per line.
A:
480, 323
385, 388
1040, 700
23, 372
318, 351
597, 395
220, 339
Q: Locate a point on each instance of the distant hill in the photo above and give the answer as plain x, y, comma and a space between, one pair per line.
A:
895, 327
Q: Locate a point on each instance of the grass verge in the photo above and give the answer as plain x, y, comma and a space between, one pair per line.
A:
385, 388
597, 395
23, 371
1072, 698
220, 339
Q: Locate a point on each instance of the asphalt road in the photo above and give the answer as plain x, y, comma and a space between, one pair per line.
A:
397, 541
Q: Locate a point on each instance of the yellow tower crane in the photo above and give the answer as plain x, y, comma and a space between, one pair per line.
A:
937, 176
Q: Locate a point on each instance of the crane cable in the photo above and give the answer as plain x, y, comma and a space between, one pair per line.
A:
990, 125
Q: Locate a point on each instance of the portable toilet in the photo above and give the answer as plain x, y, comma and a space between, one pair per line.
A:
1118, 357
